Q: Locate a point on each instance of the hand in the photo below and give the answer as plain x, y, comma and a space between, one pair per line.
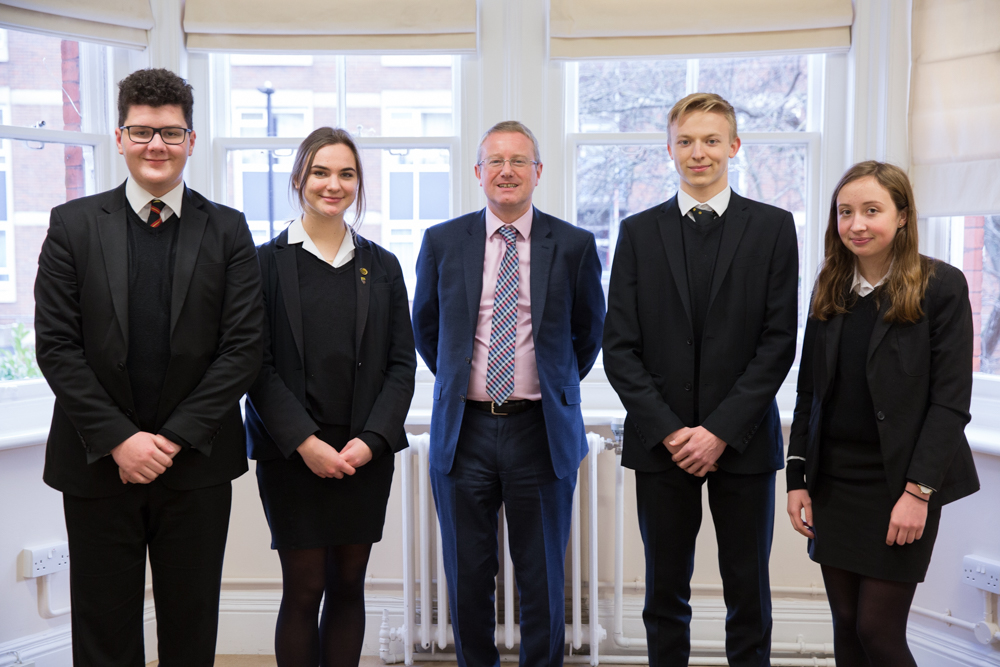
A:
140, 460
323, 459
798, 500
695, 450
356, 452
167, 446
906, 523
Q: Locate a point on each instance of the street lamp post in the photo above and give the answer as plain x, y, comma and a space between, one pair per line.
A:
268, 90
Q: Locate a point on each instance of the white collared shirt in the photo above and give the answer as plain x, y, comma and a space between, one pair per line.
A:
140, 200
862, 287
719, 203
297, 234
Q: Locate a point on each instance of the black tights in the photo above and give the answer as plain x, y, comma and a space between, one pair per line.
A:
308, 574
869, 619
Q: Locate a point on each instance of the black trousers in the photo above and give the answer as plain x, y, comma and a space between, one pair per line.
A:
185, 535
669, 508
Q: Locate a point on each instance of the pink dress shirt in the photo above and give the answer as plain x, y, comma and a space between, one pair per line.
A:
525, 371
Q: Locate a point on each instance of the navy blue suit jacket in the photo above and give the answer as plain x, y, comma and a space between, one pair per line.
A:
567, 315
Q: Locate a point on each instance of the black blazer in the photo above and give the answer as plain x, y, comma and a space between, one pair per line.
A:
920, 378
747, 347
81, 329
277, 420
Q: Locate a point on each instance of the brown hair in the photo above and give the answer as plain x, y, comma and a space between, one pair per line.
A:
155, 88
909, 272
306, 155
707, 102
509, 126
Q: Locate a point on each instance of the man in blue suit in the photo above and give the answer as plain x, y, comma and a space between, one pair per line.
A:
508, 314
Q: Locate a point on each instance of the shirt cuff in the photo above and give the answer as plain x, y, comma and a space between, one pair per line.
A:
375, 442
177, 440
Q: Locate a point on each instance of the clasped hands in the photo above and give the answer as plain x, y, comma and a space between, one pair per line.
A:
143, 457
325, 461
695, 450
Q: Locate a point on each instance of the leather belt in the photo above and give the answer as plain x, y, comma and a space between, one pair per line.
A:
503, 409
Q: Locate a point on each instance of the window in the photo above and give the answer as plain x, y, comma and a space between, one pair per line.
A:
618, 116
974, 246
400, 109
48, 155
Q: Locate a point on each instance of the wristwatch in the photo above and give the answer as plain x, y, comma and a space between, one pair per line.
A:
924, 489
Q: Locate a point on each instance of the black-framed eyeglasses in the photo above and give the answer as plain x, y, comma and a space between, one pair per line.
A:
141, 134
495, 164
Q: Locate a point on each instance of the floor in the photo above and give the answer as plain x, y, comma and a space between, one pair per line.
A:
268, 661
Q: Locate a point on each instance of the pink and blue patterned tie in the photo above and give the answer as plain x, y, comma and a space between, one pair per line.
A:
503, 332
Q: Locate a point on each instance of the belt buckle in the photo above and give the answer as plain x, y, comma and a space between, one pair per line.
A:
493, 410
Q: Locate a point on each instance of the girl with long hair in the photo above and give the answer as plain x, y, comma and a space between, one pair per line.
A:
326, 413
877, 443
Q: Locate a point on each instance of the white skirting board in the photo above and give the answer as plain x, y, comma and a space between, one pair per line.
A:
247, 617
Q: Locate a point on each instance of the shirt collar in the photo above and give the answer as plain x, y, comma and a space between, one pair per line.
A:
862, 287
139, 199
522, 224
297, 234
719, 203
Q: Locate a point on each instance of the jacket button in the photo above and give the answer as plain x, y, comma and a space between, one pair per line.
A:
359, 364
879, 415
462, 398
128, 413
689, 342
468, 360
121, 366
687, 386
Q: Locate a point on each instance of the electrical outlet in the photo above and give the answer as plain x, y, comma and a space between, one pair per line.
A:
40, 561
982, 573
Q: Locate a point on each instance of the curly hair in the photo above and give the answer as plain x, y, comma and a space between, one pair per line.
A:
155, 88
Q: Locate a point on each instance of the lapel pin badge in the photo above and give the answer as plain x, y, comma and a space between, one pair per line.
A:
364, 272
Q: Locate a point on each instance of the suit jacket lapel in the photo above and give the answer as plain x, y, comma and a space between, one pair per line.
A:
288, 281
112, 228
673, 244
831, 347
732, 233
474, 254
362, 278
192, 228
542, 249
880, 330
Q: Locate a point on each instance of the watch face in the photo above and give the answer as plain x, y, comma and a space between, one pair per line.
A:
926, 490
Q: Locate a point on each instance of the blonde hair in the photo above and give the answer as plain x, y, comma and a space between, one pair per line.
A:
509, 126
707, 102
908, 275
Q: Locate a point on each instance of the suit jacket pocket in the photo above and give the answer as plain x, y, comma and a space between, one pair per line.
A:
571, 395
438, 385
913, 344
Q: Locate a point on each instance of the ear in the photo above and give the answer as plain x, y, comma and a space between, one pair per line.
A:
734, 147
191, 139
118, 141
901, 220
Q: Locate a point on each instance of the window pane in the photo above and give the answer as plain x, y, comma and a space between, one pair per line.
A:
769, 94
247, 188
401, 196
435, 197
628, 96
398, 96
613, 182
979, 242
34, 177
304, 94
40, 81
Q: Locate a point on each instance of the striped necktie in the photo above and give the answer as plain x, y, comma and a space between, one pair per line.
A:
503, 333
155, 207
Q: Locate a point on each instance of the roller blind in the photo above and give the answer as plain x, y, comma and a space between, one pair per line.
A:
955, 106
634, 28
114, 22
331, 25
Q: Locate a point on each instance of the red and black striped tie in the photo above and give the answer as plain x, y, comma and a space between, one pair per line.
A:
155, 207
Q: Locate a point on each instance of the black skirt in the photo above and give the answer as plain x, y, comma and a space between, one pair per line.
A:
305, 511
851, 508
